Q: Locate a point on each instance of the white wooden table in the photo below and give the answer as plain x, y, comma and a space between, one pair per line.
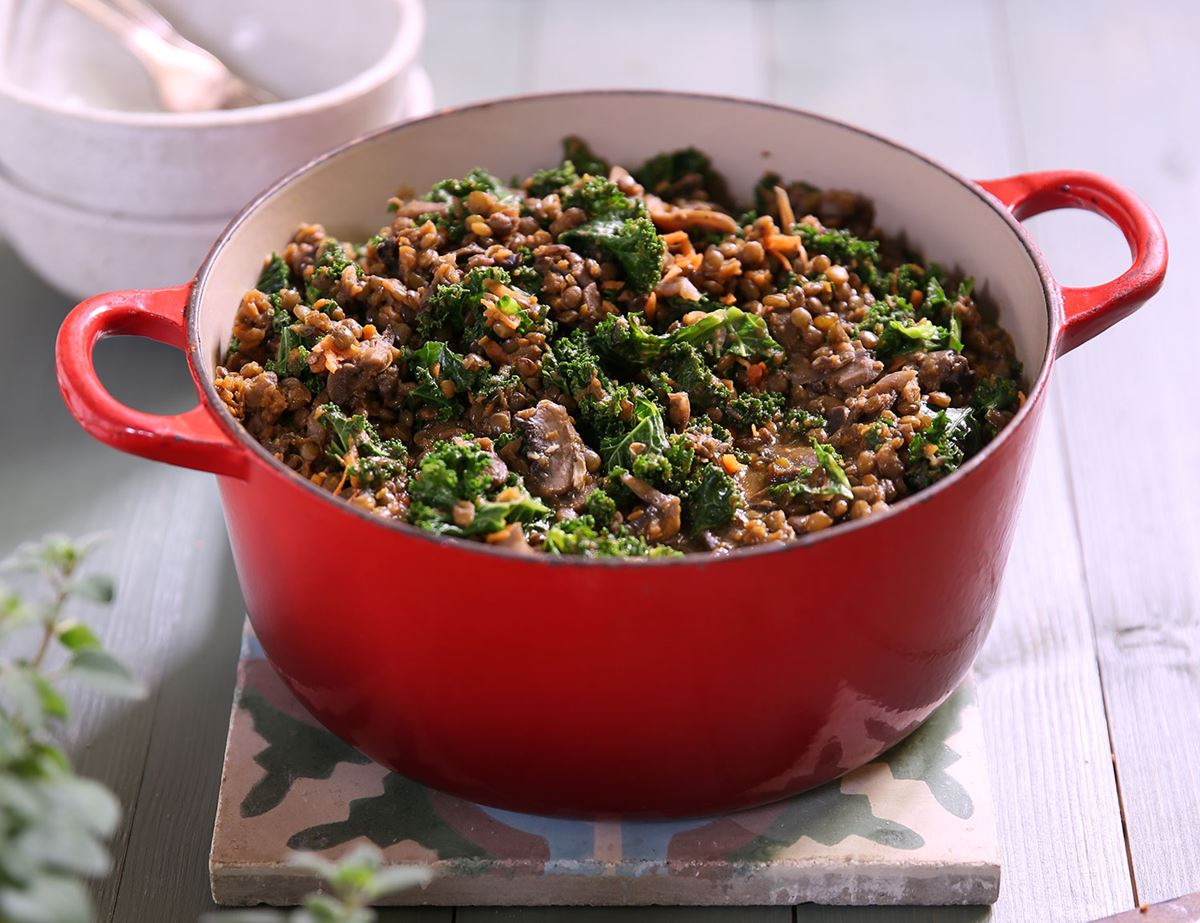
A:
1095, 650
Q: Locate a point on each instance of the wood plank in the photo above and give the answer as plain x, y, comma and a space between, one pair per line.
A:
608, 52
165, 874
1040, 692
623, 914
177, 620
1060, 827
474, 49
64, 481
903, 69
1063, 851
706, 46
808, 913
1116, 93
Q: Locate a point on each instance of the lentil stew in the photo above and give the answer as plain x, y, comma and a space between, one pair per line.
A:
613, 364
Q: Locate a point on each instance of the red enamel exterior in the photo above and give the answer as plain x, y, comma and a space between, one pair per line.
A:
605, 689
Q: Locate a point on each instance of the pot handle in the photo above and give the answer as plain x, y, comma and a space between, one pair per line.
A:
192, 439
1094, 308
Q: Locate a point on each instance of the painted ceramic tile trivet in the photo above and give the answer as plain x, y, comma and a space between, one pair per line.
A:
914, 827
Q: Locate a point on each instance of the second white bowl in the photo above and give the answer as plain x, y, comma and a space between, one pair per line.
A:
79, 123
126, 252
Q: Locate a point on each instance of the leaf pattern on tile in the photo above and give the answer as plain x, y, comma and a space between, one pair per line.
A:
295, 750
924, 756
402, 812
827, 815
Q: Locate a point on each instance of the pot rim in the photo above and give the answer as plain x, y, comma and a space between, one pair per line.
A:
1050, 289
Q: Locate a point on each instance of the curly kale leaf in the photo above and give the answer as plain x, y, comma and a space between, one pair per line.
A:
291, 351
684, 369
454, 193
573, 365
275, 276
355, 444
601, 507
725, 330
544, 182
477, 180
647, 429
902, 328
585, 536
710, 498
835, 475
460, 470
291, 355
730, 330
576, 150
798, 420
528, 278
453, 470
450, 366
673, 308
330, 262
906, 279
995, 393
898, 338
954, 435
877, 433
601, 198
938, 306
914, 284
457, 306
846, 249
513, 504
604, 407
659, 174
633, 242
443, 378
627, 339
754, 408
460, 306
618, 229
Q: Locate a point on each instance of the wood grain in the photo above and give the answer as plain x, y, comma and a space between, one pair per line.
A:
168, 552
989, 89
902, 71
706, 46
1060, 832
473, 49
1116, 93
623, 914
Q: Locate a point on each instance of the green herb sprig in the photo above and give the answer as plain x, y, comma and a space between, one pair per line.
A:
54, 824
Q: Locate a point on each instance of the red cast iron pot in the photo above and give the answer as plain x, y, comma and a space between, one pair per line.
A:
583, 687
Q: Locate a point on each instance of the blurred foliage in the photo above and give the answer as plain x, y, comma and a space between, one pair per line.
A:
348, 886
54, 825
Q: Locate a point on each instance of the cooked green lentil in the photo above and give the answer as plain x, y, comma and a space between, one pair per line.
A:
601, 363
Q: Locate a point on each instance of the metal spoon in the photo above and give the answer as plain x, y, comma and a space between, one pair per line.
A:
186, 77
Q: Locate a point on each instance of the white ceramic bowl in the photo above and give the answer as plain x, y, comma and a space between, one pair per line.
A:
119, 251
79, 120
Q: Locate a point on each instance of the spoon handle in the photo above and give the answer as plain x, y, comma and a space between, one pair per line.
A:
186, 77
115, 21
143, 13
240, 93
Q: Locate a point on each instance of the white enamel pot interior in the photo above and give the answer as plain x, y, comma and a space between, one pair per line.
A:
950, 219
